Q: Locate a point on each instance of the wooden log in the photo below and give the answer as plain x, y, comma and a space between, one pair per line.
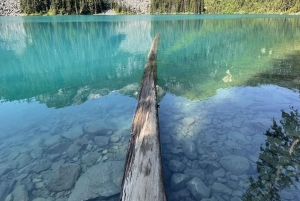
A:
143, 175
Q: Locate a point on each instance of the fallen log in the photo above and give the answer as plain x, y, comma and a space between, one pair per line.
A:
143, 175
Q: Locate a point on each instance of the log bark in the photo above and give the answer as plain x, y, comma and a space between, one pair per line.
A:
143, 176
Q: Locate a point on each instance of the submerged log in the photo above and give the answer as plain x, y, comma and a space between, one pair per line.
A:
143, 175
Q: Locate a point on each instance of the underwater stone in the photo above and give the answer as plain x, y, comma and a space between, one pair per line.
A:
114, 139
236, 199
4, 168
36, 153
23, 160
100, 181
59, 148
99, 127
176, 166
41, 167
101, 141
82, 141
90, 158
74, 149
39, 199
221, 188
39, 185
20, 193
195, 173
44, 129
187, 121
178, 181
35, 143
73, 133
13, 155
237, 193
4, 187
219, 173
179, 195
56, 165
53, 140
189, 150
235, 136
213, 165
198, 189
237, 165
9, 198
64, 177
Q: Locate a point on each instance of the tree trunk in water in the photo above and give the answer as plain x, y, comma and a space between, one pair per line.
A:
143, 175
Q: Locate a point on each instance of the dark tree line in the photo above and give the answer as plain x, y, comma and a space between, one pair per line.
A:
177, 6
78, 7
162, 6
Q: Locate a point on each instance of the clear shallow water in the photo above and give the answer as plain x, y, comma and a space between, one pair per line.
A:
68, 88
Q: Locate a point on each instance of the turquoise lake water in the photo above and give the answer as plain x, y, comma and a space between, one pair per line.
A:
228, 88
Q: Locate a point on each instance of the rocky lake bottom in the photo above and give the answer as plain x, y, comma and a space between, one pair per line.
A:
210, 148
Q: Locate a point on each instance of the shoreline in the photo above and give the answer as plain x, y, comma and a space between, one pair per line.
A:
112, 12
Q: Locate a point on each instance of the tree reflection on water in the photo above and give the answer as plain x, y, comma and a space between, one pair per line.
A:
278, 164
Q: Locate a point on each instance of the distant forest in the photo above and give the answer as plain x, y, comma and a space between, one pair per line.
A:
252, 6
81, 7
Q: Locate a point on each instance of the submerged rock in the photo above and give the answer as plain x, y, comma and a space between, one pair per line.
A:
73, 150
4, 168
13, 155
198, 189
179, 195
100, 181
221, 188
36, 153
73, 133
195, 173
20, 194
90, 158
176, 166
23, 160
40, 167
99, 127
53, 140
178, 181
4, 187
237, 165
59, 148
64, 177
189, 150
219, 173
101, 141
39, 199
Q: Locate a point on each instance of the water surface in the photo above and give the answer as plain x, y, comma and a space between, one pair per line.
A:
68, 88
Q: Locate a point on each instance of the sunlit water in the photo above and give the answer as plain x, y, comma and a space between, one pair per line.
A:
68, 88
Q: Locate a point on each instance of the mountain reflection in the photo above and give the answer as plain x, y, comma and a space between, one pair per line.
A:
63, 63
278, 165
